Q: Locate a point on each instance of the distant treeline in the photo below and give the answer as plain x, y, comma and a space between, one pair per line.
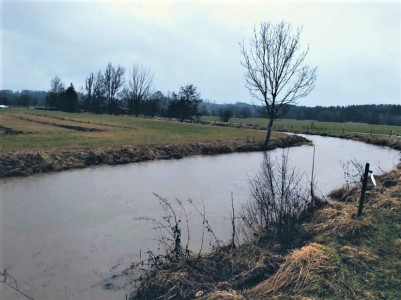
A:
163, 105
23, 98
385, 114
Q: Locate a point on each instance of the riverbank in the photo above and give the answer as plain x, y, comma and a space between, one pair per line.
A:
380, 135
26, 163
311, 126
336, 255
34, 142
391, 142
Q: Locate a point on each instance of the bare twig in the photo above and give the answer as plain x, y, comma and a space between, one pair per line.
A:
205, 220
233, 222
280, 200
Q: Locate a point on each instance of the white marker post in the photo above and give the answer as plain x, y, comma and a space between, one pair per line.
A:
372, 178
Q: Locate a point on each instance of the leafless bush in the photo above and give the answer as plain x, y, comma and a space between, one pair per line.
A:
168, 231
213, 241
280, 200
353, 173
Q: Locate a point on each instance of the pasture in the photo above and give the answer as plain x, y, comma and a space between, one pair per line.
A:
30, 129
313, 126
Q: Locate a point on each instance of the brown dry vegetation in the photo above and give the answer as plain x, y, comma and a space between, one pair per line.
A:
346, 257
220, 273
311, 268
337, 256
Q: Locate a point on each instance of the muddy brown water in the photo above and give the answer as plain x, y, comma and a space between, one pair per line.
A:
64, 235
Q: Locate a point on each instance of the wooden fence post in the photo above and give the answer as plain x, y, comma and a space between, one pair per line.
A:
363, 191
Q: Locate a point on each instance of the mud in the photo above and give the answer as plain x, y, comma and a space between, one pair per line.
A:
9, 131
83, 122
26, 163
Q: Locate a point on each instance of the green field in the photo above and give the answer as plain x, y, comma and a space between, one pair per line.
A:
23, 129
315, 126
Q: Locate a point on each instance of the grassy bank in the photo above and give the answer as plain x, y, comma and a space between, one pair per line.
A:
335, 256
314, 127
43, 141
36, 141
380, 135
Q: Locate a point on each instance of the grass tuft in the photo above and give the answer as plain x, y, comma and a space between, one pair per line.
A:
311, 270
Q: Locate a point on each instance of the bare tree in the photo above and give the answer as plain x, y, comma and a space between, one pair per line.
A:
53, 98
56, 86
140, 85
95, 91
89, 82
113, 80
276, 74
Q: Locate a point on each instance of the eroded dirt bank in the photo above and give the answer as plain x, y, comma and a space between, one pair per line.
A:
27, 163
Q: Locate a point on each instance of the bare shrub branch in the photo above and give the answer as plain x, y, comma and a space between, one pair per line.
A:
280, 200
353, 173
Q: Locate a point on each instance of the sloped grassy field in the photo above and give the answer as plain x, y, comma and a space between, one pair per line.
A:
36, 129
38, 141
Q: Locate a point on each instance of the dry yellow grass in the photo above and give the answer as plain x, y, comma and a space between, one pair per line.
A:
308, 270
360, 256
388, 196
336, 220
223, 295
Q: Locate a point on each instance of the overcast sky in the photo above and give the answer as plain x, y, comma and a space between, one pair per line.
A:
356, 46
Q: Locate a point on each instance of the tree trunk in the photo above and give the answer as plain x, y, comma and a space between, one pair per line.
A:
110, 108
268, 133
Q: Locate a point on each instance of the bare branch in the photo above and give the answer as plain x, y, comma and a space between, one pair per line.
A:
140, 84
113, 80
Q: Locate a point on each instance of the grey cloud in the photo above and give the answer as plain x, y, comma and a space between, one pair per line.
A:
356, 47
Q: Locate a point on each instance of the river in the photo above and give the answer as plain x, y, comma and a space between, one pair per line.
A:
63, 235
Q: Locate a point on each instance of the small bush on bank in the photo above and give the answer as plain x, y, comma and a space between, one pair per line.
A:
280, 201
